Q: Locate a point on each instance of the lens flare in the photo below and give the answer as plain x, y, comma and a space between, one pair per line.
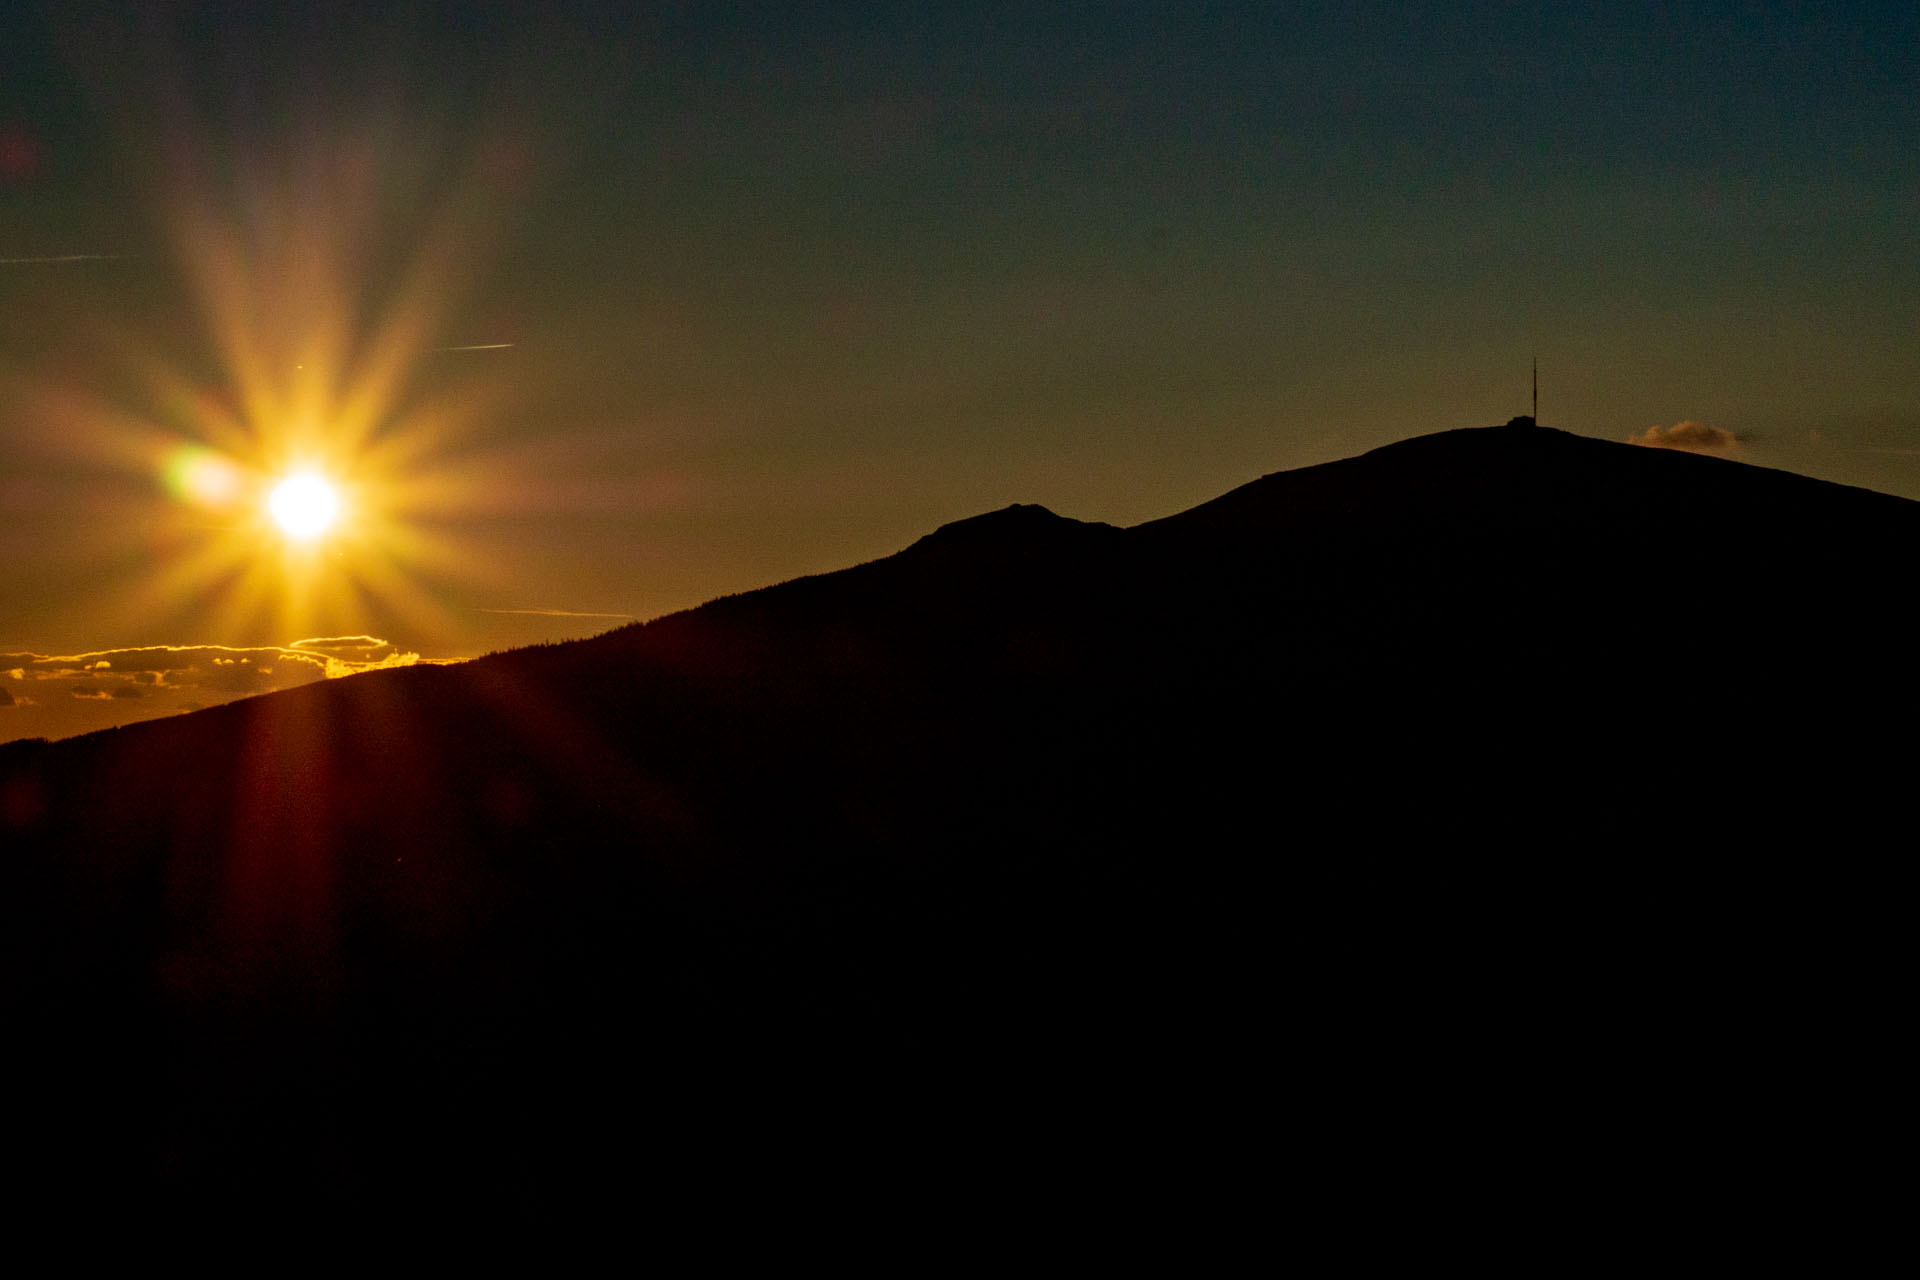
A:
202, 477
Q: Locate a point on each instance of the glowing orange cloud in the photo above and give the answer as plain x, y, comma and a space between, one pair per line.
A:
1693, 437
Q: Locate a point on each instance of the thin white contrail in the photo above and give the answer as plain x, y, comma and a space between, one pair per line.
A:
479, 346
63, 257
558, 613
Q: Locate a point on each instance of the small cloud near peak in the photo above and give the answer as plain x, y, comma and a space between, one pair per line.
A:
1691, 436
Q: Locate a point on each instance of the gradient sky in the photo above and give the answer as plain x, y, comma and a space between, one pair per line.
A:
613, 308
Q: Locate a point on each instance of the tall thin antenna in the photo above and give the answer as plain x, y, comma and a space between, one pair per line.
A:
1536, 391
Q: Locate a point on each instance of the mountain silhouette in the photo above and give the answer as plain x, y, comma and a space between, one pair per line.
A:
1044, 861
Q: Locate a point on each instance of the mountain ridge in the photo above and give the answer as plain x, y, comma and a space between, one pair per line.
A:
1032, 789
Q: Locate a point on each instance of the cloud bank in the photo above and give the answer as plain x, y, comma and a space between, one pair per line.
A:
59, 695
1693, 437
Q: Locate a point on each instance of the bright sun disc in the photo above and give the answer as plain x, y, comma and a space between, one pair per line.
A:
304, 506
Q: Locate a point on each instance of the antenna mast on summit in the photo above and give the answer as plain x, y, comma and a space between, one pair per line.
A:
1536, 391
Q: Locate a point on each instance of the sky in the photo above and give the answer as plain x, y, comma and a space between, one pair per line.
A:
594, 312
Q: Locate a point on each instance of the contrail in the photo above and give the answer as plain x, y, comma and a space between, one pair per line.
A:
559, 613
63, 257
479, 346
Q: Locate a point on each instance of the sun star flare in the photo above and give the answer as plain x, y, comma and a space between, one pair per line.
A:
305, 505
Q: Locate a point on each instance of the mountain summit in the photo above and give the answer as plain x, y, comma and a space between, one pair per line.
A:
1038, 836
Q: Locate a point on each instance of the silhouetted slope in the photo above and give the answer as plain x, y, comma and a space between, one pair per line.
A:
1038, 845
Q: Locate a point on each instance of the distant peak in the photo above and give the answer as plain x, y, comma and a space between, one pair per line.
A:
1021, 524
1016, 517
1516, 433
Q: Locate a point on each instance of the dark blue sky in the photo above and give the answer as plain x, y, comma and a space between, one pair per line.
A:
787, 287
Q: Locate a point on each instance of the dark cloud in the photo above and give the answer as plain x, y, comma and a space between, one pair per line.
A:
1693, 437
244, 675
6, 699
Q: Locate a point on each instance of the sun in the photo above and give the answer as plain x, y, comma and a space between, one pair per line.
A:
304, 505
325, 460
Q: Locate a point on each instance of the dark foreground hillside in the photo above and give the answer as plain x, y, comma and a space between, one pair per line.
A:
1497, 798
